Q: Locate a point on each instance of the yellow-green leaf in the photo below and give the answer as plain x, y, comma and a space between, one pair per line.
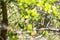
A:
40, 3
29, 26
28, 2
33, 12
46, 32
47, 7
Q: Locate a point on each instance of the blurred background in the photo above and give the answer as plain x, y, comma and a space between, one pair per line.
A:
29, 19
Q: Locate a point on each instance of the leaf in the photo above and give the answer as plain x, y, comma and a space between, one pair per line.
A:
28, 2
25, 27
41, 31
30, 31
40, 3
22, 19
54, 11
29, 26
28, 11
52, 1
34, 0
47, 7
33, 12
14, 38
59, 17
26, 16
46, 33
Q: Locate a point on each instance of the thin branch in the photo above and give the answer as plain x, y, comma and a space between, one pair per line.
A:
50, 29
49, 21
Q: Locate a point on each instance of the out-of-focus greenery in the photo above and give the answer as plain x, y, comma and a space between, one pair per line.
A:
30, 14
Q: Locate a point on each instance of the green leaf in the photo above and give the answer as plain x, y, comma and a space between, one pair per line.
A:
33, 12
30, 31
54, 11
29, 26
28, 2
25, 27
47, 7
26, 16
14, 38
59, 17
28, 11
51, 1
40, 3
46, 32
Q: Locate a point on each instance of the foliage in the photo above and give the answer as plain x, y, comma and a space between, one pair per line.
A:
27, 14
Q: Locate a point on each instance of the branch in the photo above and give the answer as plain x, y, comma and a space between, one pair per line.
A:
50, 29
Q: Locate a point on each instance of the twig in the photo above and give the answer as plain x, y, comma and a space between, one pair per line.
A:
50, 29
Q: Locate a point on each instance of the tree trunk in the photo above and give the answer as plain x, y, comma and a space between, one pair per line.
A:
4, 21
